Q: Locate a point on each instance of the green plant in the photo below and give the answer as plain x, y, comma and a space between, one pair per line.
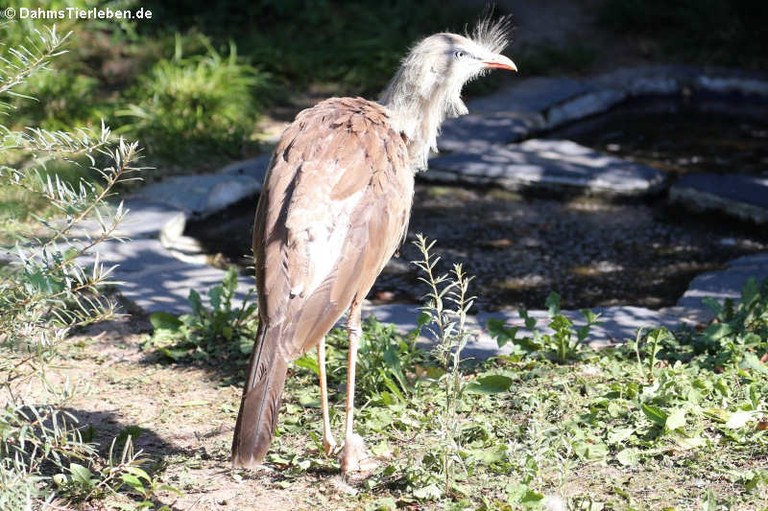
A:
223, 330
445, 317
351, 47
192, 107
51, 283
60, 102
562, 343
82, 484
384, 361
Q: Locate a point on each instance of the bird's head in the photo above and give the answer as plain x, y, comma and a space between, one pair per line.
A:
427, 87
448, 61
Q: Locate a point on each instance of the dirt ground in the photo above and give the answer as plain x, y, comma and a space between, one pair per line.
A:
182, 416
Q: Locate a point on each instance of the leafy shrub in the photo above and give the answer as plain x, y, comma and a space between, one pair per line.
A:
59, 100
188, 107
47, 289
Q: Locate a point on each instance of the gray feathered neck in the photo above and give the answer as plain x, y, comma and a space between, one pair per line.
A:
427, 88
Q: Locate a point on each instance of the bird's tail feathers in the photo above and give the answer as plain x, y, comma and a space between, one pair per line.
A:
261, 400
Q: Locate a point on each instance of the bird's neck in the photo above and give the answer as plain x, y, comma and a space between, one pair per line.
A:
417, 110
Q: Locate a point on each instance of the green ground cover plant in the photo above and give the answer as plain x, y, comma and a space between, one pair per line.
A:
670, 419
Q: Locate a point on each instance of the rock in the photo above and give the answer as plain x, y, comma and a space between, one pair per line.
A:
533, 95
145, 218
730, 85
549, 164
200, 195
253, 167
727, 283
583, 106
647, 80
475, 132
155, 280
741, 196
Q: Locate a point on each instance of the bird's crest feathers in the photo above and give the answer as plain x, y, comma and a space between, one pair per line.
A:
492, 34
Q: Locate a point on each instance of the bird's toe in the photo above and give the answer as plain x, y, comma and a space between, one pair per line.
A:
329, 446
354, 456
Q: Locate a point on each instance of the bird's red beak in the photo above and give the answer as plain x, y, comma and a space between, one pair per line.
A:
500, 62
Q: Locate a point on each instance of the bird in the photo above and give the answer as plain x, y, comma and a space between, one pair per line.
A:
334, 208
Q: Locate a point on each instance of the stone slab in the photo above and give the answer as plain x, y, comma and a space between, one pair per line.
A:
475, 132
146, 218
155, 280
548, 164
724, 284
744, 197
733, 85
647, 80
616, 325
584, 105
200, 195
532, 95
255, 168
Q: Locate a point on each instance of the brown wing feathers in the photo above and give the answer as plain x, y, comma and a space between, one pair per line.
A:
338, 192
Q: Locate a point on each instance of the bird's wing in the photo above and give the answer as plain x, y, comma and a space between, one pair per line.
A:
333, 210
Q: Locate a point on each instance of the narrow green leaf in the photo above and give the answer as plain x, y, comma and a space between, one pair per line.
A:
655, 414
686, 442
553, 304
132, 481
717, 331
429, 492
308, 361
80, 474
138, 472
493, 384
617, 436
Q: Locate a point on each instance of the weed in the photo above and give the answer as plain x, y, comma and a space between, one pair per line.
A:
222, 331
561, 342
384, 362
448, 303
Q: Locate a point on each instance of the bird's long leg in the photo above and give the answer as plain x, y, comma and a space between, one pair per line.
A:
329, 443
354, 448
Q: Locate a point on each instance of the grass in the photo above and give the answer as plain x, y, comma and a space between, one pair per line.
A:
193, 107
356, 46
669, 420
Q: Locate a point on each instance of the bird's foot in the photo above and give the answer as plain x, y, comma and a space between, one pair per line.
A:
329, 445
354, 456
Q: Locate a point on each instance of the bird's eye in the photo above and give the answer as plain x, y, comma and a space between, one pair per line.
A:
458, 54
